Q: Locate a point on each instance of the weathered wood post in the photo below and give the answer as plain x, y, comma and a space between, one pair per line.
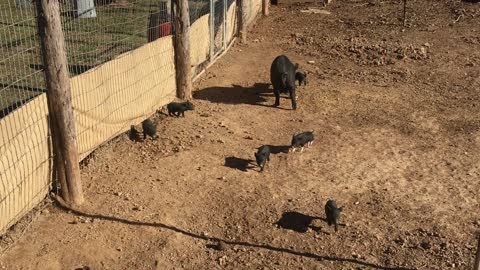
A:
242, 20
58, 161
59, 97
182, 50
265, 4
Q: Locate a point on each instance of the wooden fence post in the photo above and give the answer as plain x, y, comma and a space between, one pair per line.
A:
182, 50
477, 256
59, 97
242, 19
58, 158
265, 4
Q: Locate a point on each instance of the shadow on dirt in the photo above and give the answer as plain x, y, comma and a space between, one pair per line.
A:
277, 149
239, 163
244, 165
237, 94
295, 221
227, 242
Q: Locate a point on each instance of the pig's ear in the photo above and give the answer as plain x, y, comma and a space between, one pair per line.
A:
296, 66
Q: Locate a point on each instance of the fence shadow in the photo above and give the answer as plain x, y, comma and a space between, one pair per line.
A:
73, 69
12, 107
237, 94
239, 163
227, 242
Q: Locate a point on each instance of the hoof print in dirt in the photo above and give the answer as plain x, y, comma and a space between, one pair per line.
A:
262, 156
282, 76
333, 213
301, 140
134, 134
149, 129
177, 109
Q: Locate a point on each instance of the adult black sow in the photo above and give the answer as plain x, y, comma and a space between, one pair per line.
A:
282, 76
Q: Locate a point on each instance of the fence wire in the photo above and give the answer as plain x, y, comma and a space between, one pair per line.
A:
25, 161
21, 76
121, 65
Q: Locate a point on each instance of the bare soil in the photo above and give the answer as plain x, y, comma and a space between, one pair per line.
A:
396, 113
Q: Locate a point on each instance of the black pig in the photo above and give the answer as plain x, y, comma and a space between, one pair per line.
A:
301, 77
262, 156
177, 109
282, 76
301, 140
149, 128
133, 134
333, 213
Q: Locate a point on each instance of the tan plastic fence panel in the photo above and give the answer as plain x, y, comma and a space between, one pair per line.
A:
231, 22
200, 40
122, 92
107, 100
254, 7
25, 163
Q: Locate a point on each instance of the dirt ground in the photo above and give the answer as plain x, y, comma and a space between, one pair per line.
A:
396, 113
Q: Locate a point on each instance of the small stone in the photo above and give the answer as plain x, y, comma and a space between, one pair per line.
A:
119, 249
357, 203
427, 44
223, 260
249, 137
311, 62
221, 141
117, 193
45, 211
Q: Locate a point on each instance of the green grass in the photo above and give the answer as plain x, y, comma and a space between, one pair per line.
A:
118, 27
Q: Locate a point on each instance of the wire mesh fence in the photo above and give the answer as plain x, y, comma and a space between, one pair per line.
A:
25, 160
121, 64
20, 78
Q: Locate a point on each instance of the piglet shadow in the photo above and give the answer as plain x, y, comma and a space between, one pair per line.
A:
239, 163
300, 223
295, 221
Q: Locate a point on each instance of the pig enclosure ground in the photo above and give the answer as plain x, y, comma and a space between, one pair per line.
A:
396, 116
